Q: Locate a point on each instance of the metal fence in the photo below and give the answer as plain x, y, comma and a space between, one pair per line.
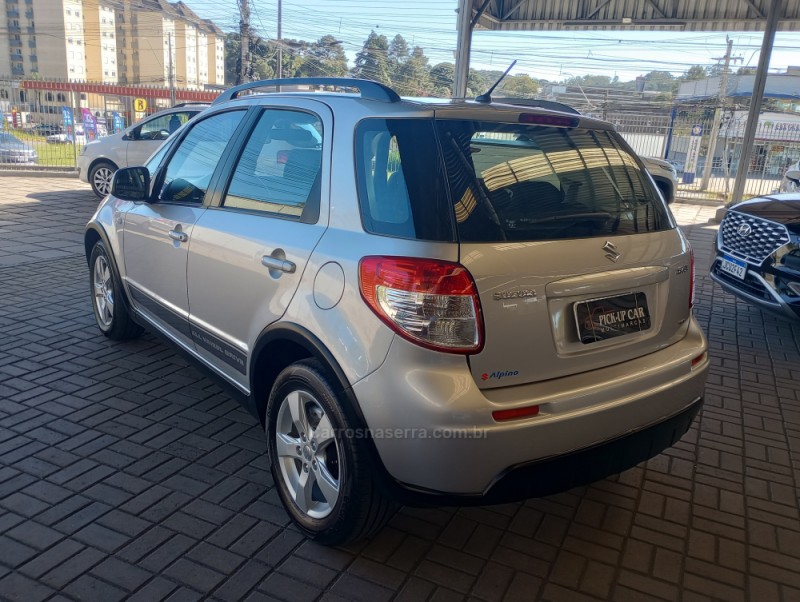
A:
47, 127
777, 145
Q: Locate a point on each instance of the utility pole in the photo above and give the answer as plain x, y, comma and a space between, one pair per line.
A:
721, 98
171, 71
244, 40
280, 42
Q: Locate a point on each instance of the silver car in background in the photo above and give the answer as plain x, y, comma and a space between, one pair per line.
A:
791, 179
14, 150
100, 158
423, 302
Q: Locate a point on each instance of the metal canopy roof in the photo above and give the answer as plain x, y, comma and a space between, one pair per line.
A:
665, 15
658, 15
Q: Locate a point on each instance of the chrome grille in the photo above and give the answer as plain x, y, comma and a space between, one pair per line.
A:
765, 237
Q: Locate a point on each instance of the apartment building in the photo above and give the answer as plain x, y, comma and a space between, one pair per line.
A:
110, 41
100, 32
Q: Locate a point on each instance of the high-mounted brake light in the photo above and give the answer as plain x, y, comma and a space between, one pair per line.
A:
432, 303
556, 120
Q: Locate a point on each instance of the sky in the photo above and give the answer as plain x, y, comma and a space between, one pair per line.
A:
553, 56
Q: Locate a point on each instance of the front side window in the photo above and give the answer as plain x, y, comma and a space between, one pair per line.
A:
189, 171
161, 127
279, 171
154, 162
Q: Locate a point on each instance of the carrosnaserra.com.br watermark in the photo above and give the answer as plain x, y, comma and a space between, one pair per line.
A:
406, 433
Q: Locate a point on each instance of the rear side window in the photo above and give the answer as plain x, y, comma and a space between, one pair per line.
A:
279, 171
401, 183
516, 182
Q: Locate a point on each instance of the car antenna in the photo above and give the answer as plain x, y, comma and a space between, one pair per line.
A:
486, 97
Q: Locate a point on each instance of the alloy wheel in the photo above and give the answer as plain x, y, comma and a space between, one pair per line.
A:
308, 453
102, 179
103, 291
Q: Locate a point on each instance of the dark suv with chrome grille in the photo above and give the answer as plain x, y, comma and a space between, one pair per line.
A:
758, 253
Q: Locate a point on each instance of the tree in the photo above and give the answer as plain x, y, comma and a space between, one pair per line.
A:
746, 71
324, 58
477, 82
413, 77
442, 76
694, 73
373, 60
398, 52
263, 57
520, 85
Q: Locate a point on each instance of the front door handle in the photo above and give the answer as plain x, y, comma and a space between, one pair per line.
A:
275, 263
178, 235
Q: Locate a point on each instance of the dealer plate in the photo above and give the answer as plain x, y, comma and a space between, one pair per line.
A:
609, 317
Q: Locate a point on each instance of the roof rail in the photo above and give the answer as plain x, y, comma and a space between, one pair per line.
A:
369, 89
540, 103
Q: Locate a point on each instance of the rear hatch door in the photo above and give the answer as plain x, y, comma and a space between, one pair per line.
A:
576, 258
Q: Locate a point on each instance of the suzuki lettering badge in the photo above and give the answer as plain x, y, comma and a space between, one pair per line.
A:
744, 230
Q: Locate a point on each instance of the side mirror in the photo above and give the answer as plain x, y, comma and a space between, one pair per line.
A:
793, 174
131, 184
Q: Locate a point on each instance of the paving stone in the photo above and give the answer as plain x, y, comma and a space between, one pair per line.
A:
124, 472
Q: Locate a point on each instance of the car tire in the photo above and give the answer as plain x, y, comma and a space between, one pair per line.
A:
100, 176
320, 464
110, 311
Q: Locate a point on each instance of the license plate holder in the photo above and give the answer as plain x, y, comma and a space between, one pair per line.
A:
734, 267
610, 317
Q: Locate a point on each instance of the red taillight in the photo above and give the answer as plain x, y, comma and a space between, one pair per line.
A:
515, 413
556, 120
699, 359
691, 277
429, 302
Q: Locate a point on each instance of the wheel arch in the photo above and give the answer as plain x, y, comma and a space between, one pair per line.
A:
280, 345
98, 160
96, 233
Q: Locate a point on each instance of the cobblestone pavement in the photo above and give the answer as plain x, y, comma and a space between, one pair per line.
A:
125, 473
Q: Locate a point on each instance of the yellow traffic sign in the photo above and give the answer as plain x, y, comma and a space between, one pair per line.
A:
140, 105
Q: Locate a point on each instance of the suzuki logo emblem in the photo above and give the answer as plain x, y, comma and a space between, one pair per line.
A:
611, 251
744, 230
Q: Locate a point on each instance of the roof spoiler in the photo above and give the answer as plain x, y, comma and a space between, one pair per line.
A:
369, 89
539, 103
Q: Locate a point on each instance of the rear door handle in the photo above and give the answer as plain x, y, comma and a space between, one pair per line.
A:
282, 265
178, 235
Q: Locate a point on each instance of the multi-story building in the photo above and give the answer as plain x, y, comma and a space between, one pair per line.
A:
60, 49
110, 41
100, 32
216, 54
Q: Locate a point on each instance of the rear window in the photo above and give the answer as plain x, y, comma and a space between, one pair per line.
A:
507, 182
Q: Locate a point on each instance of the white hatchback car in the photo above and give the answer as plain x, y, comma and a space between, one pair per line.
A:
101, 158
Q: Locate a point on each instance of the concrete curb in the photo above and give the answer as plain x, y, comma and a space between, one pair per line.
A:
35, 173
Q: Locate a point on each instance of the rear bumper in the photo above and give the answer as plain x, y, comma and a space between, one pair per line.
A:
444, 443
553, 475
